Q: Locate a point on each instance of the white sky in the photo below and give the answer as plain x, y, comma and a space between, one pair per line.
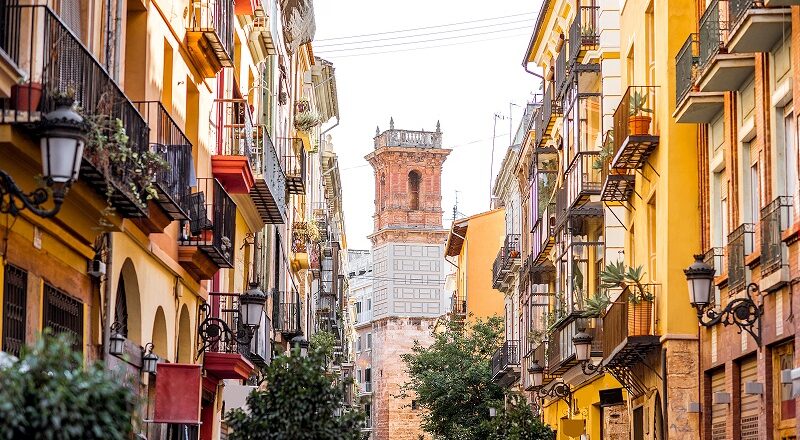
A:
462, 85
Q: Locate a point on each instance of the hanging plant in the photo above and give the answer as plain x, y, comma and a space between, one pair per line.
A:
305, 121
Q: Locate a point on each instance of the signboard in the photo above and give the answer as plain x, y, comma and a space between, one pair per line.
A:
178, 388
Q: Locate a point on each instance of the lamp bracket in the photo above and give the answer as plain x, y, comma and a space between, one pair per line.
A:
14, 200
744, 313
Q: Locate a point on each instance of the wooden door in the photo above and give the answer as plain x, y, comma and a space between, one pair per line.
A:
783, 406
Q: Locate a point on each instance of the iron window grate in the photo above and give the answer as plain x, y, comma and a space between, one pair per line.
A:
15, 297
63, 314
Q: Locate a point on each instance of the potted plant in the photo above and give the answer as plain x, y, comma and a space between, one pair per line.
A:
26, 95
638, 121
640, 299
597, 304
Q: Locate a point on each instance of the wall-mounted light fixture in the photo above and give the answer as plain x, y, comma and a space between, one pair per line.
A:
149, 359
583, 353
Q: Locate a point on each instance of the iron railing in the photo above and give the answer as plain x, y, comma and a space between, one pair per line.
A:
775, 218
294, 164
15, 306
685, 67
286, 312
505, 356
214, 18
577, 269
737, 9
583, 115
212, 224
625, 319
635, 115
55, 59
583, 179
169, 141
458, 303
266, 165
560, 74
543, 232
712, 33
235, 133
561, 350
541, 190
740, 245
583, 33
508, 253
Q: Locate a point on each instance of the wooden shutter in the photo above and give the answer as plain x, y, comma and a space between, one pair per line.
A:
719, 413
751, 403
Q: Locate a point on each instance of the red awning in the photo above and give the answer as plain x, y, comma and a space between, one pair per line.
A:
178, 388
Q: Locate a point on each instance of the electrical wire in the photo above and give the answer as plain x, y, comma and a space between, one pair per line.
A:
423, 28
421, 48
429, 40
323, 45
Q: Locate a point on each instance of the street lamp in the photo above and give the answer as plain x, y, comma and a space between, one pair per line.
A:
214, 330
116, 342
583, 352
62, 139
535, 374
149, 359
251, 306
559, 391
742, 312
300, 343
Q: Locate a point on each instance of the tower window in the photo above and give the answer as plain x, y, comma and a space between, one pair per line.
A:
413, 189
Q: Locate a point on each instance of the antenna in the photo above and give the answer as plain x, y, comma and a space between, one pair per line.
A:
456, 212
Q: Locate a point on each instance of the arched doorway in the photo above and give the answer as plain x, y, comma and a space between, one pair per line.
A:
127, 307
185, 351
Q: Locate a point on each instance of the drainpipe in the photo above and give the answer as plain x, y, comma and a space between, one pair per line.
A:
107, 289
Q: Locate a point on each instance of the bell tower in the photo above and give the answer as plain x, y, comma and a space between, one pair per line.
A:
408, 266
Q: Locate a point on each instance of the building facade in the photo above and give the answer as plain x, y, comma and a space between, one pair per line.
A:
206, 174
360, 305
408, 267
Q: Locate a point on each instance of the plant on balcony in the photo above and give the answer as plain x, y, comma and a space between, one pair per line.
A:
536, 336
597, 304
638, 121
640, 298
26, 95
51, 393
606, 152
305, 118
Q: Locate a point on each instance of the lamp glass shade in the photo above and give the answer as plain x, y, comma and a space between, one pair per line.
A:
116, 344
700, 282
149, 362
536, 374
61, 143
251, 307
583, 346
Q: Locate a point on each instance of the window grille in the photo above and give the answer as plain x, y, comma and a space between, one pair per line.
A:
14, 299
63, 314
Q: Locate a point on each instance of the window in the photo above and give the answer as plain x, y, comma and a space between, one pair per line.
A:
369, 304
15, 296
358, 307
368, 380
369, 341
358, 376
652, 236
63, 314
755, 193
358, 344
368, 414
789, 155
414, 180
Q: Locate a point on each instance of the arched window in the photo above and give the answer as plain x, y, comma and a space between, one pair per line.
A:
121, 309
382, 194
413, 189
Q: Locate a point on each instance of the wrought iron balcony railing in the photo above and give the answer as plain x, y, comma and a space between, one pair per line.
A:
635, 130
583, 33
57, 63
583, 179
504, 357
737, 9
740, 245
775, 218
169, 141
560, 74
543, 233
561, 350
294, 164
212, 222
269, 191
686, 67
286, 313
214, 19
458, 303
712, 34
506, 256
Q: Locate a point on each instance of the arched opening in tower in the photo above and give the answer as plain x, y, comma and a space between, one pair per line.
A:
414, 179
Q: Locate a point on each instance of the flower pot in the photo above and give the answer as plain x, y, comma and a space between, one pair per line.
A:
639, 125
26, 97
618, 171
639, 318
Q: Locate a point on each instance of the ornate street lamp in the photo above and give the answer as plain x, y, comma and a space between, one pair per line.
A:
251, 306
63, 135
116, 342
742, 312
535, 374
149, 359
558, 391
300, 343
583, 353
214, 330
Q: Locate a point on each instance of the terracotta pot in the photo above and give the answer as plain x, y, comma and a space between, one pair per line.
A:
639, 318
639, 125
618, 171
26, 97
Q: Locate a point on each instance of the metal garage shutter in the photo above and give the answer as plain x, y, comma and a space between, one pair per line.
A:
719, 413
751, 403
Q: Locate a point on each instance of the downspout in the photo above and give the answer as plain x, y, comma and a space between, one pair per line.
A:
107, 289
117, 42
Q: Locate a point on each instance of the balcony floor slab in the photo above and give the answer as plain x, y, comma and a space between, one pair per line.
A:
726, 72
759, 30
699, 107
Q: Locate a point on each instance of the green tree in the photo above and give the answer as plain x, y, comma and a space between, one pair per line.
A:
300, 402
452, 379
517, 422
48, 393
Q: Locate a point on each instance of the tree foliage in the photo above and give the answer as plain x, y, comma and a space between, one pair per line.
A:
452, 381
49, 394
300, 401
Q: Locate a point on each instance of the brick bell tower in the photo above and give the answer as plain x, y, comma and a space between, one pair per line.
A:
408, 266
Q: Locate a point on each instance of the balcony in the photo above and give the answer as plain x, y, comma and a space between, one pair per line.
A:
775, 218
458, 304
534, 273
583, 33
551, 109
754, 27
301, 242
507, 262
692, 105
209, 36
560, 74
576, 262
208, 243
720, 71
618, 184
505, 364
223, 356
294, 164
268, 193
582, 178
629, 335
740, 245
544, 234
561, 350
260, 37
286, 313
168, 140
635, 131
539, 353
232, 163
60, 64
